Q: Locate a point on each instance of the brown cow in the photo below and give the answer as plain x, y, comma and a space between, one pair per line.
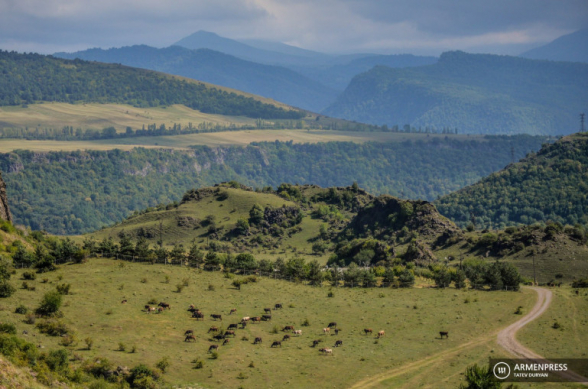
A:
276, 344
234, 310
256, 319
326, 351
123, 302
227, 333
164, 305
159, 310
225, 342
367, 331
189, 332
213, 329
257, 340
215, 316
444, 333
213, 347
381, 333
198, 315
190, 337
326, 330
288, 328
286, 337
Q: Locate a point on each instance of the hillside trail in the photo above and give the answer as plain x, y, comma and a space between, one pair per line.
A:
505, 338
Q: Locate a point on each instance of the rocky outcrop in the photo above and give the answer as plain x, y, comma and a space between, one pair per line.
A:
4, 210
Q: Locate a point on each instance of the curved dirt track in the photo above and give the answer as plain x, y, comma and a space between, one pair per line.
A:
506, 339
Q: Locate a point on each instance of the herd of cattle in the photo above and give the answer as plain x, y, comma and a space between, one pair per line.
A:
218, 335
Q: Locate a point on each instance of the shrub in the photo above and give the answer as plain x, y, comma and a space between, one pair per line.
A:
305, 323
134, 349
179, 288
519, 310
214, 355
29, 275
211, 287
57, 360
21, 309
198, 364
144, 280
50, 304
275, 330
163, 364
166, 279
68, 340
63, 288
53, 328
556, 325
121, 346
30, 319
89, 342
331, 294
8, 328
186, 281
582, 283
241, 376
153, 301
6, 290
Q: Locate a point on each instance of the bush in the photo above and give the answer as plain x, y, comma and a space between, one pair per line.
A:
331, 294
89, 342
163, 364
8, 328
50, 304
6, 290
198, 364
179, 288
153, 301
121, 346
582, 283
53, 328
63, 288
57, 360
69, 340
29, 275
556, 325
30, 319
519, 310
21, 309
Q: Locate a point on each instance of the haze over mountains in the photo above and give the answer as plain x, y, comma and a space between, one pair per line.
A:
571, 47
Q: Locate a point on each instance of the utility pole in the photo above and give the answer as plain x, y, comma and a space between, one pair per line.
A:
582, 122
534, 274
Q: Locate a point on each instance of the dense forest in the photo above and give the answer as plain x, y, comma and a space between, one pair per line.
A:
75, 192
479, 94
30, 78
549, 185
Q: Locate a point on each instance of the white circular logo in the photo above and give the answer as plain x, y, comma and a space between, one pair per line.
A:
501, 370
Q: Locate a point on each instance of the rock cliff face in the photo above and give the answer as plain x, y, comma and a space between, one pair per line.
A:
4, 211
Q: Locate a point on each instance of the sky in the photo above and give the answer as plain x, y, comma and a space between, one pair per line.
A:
425, 27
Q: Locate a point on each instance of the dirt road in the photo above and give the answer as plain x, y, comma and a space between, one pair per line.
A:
506, 339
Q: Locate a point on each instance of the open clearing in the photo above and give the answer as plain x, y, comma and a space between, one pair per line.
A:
412, 319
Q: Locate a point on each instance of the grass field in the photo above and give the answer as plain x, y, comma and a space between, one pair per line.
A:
411, 318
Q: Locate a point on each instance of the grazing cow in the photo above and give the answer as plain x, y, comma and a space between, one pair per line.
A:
367, 331
243, 325
123, 302
444, 333
267, 310
192, 309
215, 316
266, 317
256, 319
233, 326
276, 343
337, 331
257, 340
190, 337
326, 351
189, 332
213, 347
278, 306
198, 315
246, 318
234, 310
315, 343
286, 337
218, 337
225, 342
147, 307
381, 333
332, 324
164, 305
212, 329
227, 333
338, 343
297, 332
159, 310
288, 328
151, 309
326, 330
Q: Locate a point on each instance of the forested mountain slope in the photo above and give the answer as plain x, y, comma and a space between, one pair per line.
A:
571, 47
549, 185
476, 93
80, 81
275, 82
74, 192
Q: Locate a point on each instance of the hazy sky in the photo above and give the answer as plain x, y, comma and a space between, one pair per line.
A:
385, 26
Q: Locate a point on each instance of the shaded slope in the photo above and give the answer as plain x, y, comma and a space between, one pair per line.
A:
472, 92
571, 47
274, 82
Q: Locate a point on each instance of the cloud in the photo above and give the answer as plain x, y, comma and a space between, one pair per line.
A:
423, 26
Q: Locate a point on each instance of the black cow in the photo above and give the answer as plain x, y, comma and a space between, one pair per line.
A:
276, 344
257, 340
338, 343
215, 316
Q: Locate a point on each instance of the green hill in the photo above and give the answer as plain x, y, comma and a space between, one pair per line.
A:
478, 94
81, 191
549, 185
80, 81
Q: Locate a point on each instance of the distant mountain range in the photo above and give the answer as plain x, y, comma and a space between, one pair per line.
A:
572, 47
275, 82
476, 93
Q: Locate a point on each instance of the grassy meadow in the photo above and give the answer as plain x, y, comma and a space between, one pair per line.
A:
409, 355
